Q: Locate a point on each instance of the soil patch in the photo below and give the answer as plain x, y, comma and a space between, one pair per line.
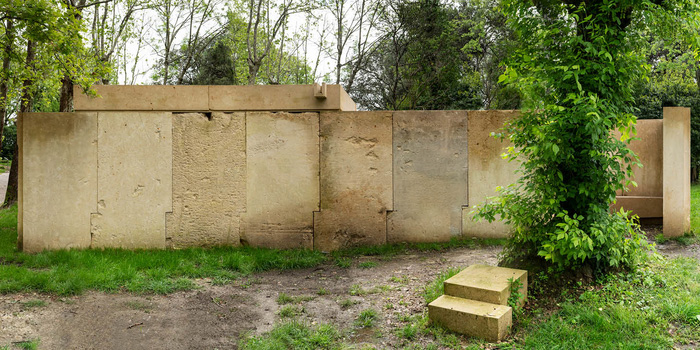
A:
216, 316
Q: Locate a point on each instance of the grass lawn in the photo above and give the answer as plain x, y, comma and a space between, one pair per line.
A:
69, 272
695, 208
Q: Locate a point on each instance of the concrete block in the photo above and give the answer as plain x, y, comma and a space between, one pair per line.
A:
486, 283
209, 172
430, 175
356, 179
58, 179
470, 317
171, 98
282, 179
649, 177
676, 171
277, 98
134, 179
487, 170
644, 207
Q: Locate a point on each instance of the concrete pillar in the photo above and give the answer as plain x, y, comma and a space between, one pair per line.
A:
676, 160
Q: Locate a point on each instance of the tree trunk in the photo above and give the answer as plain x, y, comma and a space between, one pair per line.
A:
6, 75
66, 102
253, 69
26, 106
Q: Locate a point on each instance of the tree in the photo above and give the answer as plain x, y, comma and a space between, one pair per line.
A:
574, 70
50, 32
111, 28
354, 24
263, 30
420, 61
192, 17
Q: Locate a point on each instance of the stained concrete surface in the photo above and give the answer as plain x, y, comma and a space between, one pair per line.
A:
282, 152
429, 175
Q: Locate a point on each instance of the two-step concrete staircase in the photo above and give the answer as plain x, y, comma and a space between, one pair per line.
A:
476, 302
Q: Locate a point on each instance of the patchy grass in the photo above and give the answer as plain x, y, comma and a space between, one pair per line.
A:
367, 318
290, 311
33, 303
657, 307
284, 298
389, 250
437, 288
695, 208
367, 264
347, 303
294, 335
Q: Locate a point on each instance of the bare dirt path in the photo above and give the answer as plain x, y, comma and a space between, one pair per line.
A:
215, 317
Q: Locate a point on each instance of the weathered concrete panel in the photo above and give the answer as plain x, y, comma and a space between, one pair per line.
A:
430, 175
283, 179
676, 170
487, 170
356, 179
209, 169
134, 179
172, 98
649, 177
277, 98
59, 179
644, 207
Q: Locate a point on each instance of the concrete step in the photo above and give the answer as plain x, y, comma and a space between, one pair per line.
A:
474, 318
486, 283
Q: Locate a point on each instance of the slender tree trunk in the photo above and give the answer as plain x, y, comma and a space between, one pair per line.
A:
5, 75
66, 102
253, 69
26, 106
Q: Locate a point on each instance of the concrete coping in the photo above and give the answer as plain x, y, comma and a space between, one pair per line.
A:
203, 98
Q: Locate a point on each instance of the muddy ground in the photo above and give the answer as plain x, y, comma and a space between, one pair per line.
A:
215, 317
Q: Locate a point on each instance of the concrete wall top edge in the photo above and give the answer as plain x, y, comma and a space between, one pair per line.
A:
204, 98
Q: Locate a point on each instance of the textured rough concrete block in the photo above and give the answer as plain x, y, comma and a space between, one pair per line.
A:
356, 180
486, 283
474, 318
59, 179
283, 179
134, 179
644, 207
676, 171
144, 98
487, 170
277, 98
430, 175
209, 169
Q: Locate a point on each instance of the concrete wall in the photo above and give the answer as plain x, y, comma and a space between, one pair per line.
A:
203, 98
209, 179
323, 180
60, 157
487, 169
356, 181
646, 199
282, 152
430, 175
